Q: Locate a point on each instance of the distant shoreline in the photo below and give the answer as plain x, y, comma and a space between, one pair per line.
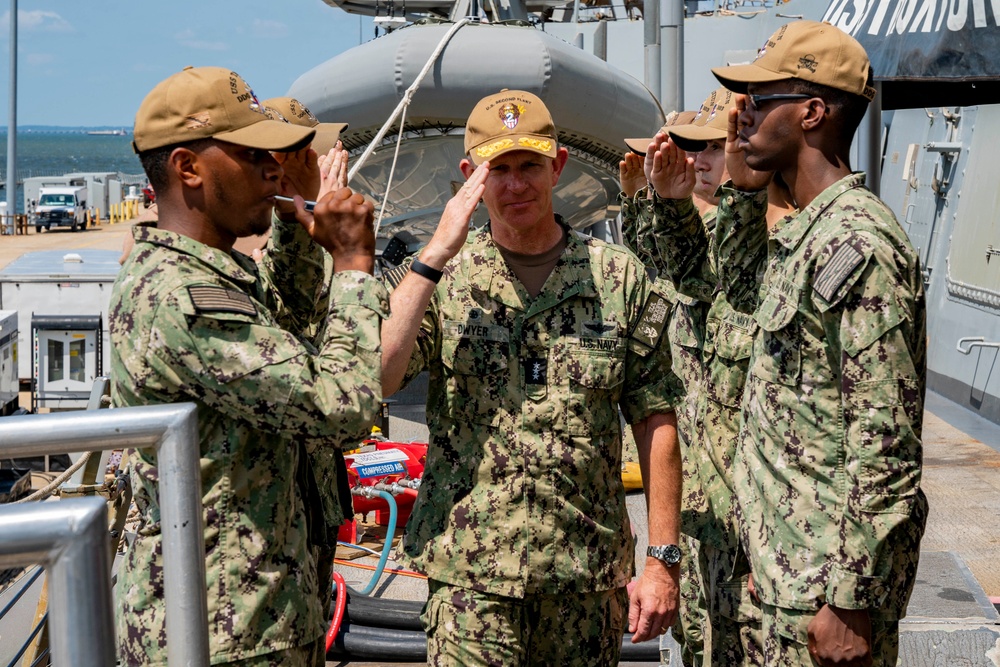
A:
59, 129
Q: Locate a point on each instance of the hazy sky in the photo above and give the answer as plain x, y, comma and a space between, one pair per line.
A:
90, 62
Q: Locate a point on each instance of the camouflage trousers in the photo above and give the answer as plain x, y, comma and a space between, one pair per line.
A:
310, 655
786, 638
733, 634
688, 630
324, 575
466, 628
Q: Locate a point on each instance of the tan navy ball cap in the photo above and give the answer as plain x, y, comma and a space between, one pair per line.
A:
290, 110
639, 146
807, 50
711, 123
511, 120
211, 102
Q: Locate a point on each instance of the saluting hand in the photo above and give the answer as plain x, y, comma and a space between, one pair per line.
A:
301, 177
332, 170
744, 178
453, 228
343, 223
668, 169
631, 175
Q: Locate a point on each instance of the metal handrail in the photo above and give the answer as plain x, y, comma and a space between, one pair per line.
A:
170, 429
70, 538
973, 341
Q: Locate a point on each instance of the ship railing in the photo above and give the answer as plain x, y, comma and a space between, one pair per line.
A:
70, 536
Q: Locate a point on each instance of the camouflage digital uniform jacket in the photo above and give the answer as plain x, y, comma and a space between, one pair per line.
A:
829, 466
522, 490
192, 323
690, 259
686, 333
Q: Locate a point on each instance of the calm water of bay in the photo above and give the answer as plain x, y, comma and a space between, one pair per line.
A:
41, 153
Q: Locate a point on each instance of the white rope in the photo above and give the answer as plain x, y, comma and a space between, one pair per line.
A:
400, 109
392, 170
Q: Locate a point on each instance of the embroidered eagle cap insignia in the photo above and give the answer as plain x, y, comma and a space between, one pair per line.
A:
510, 114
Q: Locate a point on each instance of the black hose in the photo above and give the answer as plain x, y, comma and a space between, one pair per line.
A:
383, 612
359, 642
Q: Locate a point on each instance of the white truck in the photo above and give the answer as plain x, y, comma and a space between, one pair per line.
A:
63, 205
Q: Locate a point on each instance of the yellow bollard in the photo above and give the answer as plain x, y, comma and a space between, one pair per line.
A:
111, 214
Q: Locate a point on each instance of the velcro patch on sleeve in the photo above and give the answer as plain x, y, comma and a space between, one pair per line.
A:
652, 321
393, 277
837, 270
209, 299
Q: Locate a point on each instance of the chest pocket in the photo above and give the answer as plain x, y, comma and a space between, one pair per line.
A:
476, 378
686, 341
727, 369
595, 379
231, 356
778, 356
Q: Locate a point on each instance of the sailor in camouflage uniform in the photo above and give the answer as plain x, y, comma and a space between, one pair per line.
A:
686, 326
193, 321
715, 373
534, 338
829, 462
324, 171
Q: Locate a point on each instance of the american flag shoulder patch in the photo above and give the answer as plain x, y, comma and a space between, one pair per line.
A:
210, 299
837, 270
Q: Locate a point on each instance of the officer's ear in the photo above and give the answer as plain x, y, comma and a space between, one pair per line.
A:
467, 167
559, 163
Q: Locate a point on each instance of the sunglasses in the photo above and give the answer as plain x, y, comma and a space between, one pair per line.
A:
757, 100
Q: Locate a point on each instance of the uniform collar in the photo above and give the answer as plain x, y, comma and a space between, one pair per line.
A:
489, 273
792, 230
230, 265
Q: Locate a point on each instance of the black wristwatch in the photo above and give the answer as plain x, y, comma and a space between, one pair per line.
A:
670, 554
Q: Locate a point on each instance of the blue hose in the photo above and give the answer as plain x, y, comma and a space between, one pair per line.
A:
389, 533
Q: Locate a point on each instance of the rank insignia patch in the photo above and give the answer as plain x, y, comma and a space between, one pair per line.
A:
535, 370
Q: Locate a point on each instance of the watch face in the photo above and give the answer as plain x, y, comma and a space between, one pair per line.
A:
669, 553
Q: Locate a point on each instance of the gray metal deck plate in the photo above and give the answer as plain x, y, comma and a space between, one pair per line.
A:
946, 589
